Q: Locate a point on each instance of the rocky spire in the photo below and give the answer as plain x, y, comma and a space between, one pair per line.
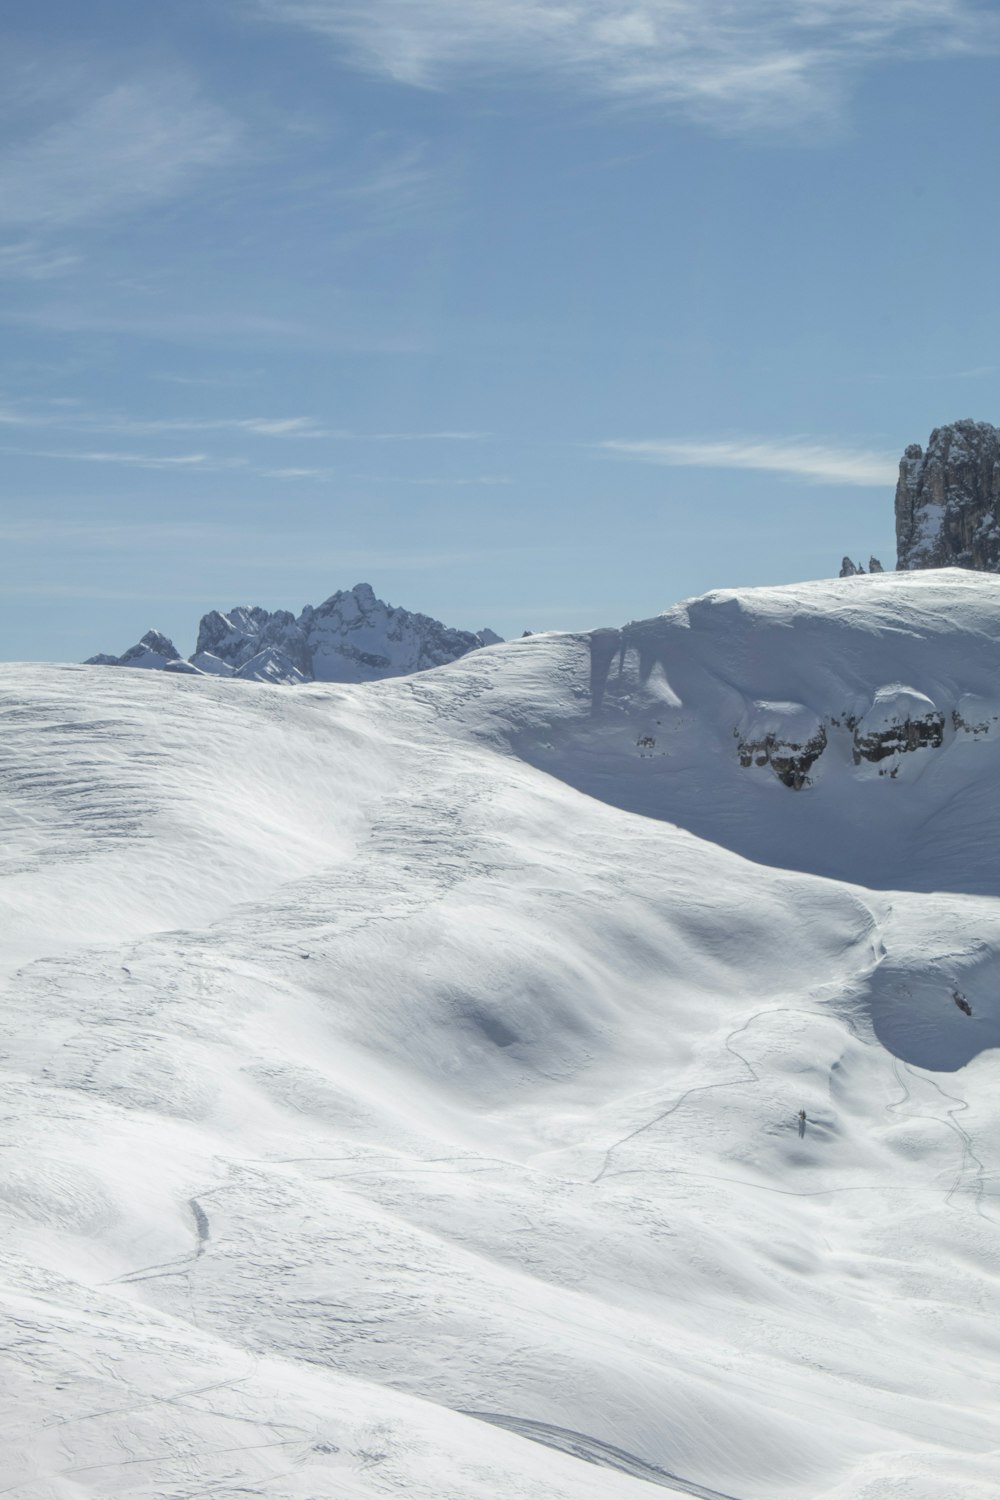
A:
948, 500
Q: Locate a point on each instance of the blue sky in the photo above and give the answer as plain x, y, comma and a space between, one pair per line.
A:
531, 313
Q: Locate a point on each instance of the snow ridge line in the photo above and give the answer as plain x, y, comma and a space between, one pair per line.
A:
593, 1451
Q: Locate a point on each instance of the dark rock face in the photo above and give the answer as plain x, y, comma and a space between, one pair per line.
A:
948, 500
788, 739
789, 760
911, 734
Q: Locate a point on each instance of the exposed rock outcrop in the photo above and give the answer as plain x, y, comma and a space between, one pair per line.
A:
849, 569
899, 719
788, 737
352, 637
948, 500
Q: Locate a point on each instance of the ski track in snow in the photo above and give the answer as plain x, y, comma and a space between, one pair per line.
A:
393, 1074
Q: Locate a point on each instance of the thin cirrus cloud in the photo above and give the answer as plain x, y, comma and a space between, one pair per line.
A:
193, 463
729, 63
199, 461
84, 421
290, 427
815, 462
132, 144
31, 261
76, 420
264, 545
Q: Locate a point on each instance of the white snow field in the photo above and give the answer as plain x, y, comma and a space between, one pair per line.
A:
401, 1081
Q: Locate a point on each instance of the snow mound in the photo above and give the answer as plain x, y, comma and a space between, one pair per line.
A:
841, 728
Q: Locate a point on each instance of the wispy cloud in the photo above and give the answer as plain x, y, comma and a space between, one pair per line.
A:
297, 427
393, 186
817, 462
248, 545
445, 436
206, 463
79, 420
977, 372
116, 535
30, 261
435, 482
47, 589
135, 143
287, 427
232, 328
73, 418
729, 62
297, 473
880, 377
200, 461
229, 378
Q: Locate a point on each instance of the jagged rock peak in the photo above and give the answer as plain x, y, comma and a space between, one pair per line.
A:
849, 569
351, 637
154, 650
948, 500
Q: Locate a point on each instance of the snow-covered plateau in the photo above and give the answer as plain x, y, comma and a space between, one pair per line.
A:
401, 1081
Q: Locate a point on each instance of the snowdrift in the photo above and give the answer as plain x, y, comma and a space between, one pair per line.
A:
874, 701
402, 1082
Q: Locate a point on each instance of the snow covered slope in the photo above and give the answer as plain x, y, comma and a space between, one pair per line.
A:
392, 1109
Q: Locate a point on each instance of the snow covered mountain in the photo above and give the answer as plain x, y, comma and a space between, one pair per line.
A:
402, 1080
154, 650
352, 637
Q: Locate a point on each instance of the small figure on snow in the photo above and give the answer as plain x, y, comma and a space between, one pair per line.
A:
802, 1123
961, 1002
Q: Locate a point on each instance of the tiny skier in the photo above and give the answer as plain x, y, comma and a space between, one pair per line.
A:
961, 1002
802, 1122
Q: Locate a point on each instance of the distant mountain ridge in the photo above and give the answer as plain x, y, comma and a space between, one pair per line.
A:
351, 637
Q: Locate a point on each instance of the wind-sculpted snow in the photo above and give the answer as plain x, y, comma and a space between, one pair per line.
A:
386, 1116
850, 729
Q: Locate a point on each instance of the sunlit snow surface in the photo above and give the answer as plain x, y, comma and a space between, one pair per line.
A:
400, 1082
